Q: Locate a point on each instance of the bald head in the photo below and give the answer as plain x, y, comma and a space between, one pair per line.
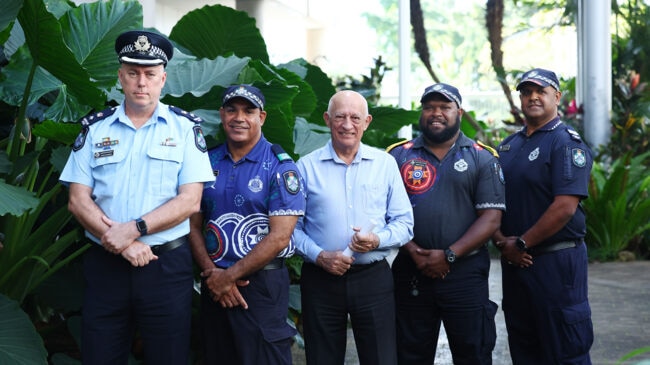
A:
347, 117
348, 97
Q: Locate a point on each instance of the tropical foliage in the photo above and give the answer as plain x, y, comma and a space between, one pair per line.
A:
58, 64
618, 206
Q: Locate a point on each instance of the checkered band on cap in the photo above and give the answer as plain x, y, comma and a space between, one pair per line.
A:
248, 92
540, 77
448, 91
143, 48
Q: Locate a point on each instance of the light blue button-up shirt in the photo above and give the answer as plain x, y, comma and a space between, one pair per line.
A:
341, 196
133, 171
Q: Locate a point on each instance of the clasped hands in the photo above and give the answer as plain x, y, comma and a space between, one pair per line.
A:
431, 263
119, 240
223, 288
511, 253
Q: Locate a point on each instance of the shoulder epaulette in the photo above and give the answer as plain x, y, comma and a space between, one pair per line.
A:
489, 148
278, 151
86, 122
191, 116
391, 147
574, 135
90, 119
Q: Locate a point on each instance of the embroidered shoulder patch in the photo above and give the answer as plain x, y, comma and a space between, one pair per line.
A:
578, 157
199, 138
291, 182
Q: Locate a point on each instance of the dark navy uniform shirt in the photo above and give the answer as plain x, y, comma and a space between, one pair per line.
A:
552, 161
446, 194
244, 195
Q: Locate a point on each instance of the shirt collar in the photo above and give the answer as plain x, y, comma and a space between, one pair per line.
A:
362, 154
159, 114
551, 125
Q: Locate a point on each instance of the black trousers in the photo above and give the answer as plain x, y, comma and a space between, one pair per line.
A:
460, 301
365, 294
119, 299
257, 335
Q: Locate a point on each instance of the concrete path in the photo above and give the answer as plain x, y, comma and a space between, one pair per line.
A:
619, 294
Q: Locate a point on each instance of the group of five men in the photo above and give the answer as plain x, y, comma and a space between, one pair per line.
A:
154, 199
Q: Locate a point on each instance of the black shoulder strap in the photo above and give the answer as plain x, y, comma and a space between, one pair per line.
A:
191, 116
280, 154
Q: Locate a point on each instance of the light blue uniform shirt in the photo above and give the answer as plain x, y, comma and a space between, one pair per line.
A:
133, 171
341, 196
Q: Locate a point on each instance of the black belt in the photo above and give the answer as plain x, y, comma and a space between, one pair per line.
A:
276, 263
360, 267
540, 250
168, 246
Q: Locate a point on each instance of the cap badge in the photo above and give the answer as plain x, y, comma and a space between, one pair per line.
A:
437, 87
142, 44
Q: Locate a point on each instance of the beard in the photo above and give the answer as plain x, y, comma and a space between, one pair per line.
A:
439, 137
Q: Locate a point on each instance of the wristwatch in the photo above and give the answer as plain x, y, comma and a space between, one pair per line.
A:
521, 244
142, 226
451, 255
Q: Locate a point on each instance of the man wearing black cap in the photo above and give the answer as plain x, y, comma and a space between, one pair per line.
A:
544, 258
457, 190
136, 175
242, 236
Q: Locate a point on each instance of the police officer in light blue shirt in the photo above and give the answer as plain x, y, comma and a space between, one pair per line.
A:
135, 175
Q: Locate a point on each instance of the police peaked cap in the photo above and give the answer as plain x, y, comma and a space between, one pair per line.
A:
140, 47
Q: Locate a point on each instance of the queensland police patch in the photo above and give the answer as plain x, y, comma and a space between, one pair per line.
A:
578, 156
81, 140
199, 139
291, 182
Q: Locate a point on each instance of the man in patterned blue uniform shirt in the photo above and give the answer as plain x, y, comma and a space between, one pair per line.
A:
458, 195
135, 177
242, 236
544, 258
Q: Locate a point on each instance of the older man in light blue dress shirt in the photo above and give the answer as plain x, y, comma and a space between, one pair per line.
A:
357, 213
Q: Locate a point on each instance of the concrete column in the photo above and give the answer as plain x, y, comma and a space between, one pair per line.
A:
594, 79
405, 63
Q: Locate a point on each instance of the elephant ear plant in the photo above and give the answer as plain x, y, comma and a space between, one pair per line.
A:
49, 76
57, 64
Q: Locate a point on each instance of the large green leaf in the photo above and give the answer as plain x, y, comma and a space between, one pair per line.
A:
198, 84
321, 85
8, 11
15, 200
19, 342
12, 90
43, 35
218, 30
93, 42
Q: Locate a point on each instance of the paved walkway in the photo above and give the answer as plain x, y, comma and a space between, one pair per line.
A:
619, 294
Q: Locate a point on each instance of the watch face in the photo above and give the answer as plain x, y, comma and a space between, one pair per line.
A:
451, 256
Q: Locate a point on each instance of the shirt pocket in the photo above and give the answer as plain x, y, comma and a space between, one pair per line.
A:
164, 166
106, 162
374, 199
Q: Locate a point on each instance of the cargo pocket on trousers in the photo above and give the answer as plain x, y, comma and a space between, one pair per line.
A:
281, 333
489, 327
578, 331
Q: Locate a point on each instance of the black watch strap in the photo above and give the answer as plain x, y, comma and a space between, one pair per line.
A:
142, 226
